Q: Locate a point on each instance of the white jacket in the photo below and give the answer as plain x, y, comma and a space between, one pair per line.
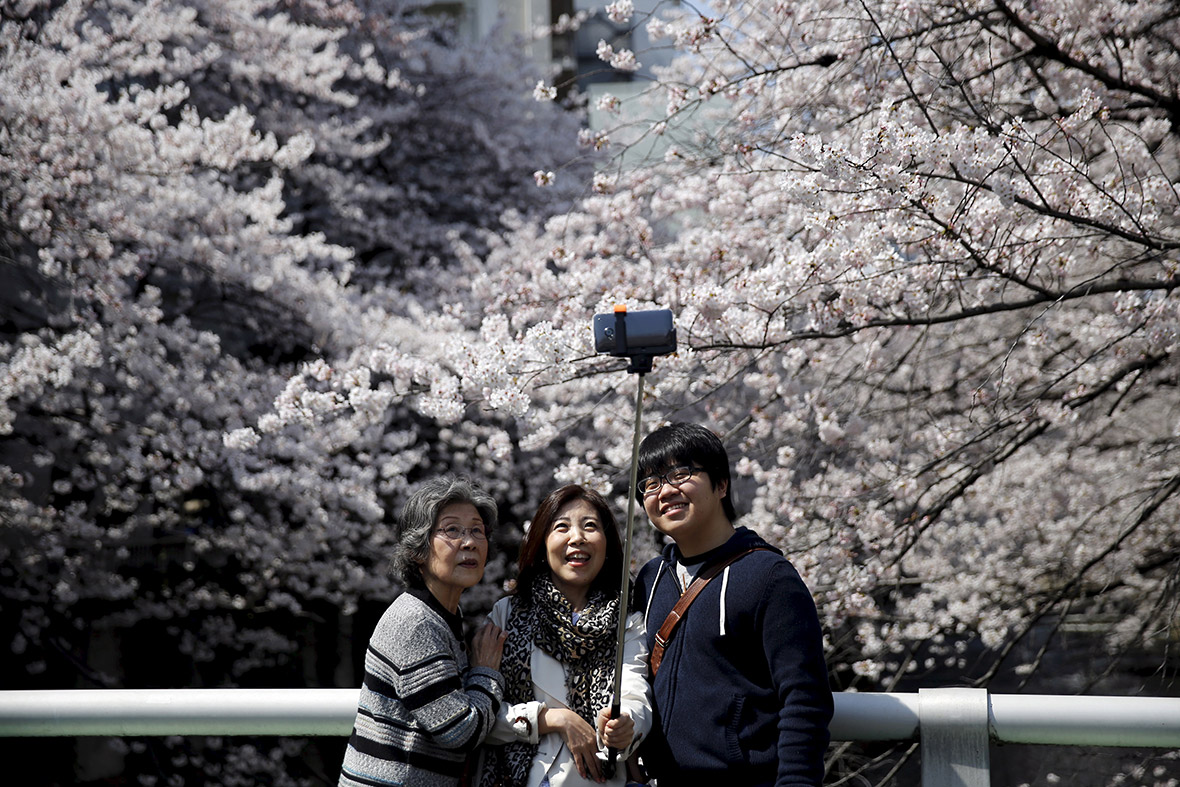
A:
553, 758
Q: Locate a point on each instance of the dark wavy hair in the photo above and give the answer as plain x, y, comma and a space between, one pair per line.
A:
687, 444
419, 516
533, 561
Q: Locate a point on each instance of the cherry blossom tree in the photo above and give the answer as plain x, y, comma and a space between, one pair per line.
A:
921, 255
197, 201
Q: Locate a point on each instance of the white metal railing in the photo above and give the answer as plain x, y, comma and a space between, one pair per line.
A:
953, 725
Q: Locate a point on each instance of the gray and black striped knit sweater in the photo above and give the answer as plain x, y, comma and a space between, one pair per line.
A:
421, 710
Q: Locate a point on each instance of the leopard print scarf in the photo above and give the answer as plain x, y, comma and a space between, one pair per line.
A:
586, 649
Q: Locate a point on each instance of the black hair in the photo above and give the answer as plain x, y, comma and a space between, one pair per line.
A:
687, 444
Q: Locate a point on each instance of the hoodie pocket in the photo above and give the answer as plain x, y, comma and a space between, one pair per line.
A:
734, 752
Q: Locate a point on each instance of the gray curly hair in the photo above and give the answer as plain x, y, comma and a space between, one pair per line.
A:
419, 516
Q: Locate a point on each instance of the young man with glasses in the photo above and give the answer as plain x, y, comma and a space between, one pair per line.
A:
740, 684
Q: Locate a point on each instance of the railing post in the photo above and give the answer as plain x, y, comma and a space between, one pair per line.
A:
953, 730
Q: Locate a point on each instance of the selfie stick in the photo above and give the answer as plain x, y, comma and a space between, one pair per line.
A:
640, 364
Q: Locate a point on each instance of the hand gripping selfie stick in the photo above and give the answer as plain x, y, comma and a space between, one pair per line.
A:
638, 336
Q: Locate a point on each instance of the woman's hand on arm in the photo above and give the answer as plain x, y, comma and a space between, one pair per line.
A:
487, 646
455, 709
578, 736
615, 733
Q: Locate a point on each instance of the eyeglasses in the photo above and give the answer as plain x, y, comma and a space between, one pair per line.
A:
651, 484
456, 533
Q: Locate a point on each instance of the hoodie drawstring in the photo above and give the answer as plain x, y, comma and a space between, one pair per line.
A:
724, 587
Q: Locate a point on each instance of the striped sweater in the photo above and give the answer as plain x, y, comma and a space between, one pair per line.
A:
421, 710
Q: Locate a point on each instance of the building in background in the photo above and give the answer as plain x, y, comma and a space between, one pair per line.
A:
571, 55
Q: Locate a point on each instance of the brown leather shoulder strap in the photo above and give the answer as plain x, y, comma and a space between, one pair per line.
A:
686, 599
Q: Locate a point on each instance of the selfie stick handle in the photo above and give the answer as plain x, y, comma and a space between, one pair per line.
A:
625, 589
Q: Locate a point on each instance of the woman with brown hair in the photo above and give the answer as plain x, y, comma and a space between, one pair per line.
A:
559, 656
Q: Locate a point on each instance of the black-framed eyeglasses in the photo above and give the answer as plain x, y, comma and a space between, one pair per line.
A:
649, 485
456, 533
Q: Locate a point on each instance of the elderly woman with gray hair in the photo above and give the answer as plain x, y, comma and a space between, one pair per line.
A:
425, 705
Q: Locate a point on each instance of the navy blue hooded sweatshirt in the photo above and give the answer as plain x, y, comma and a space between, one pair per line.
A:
742, 695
